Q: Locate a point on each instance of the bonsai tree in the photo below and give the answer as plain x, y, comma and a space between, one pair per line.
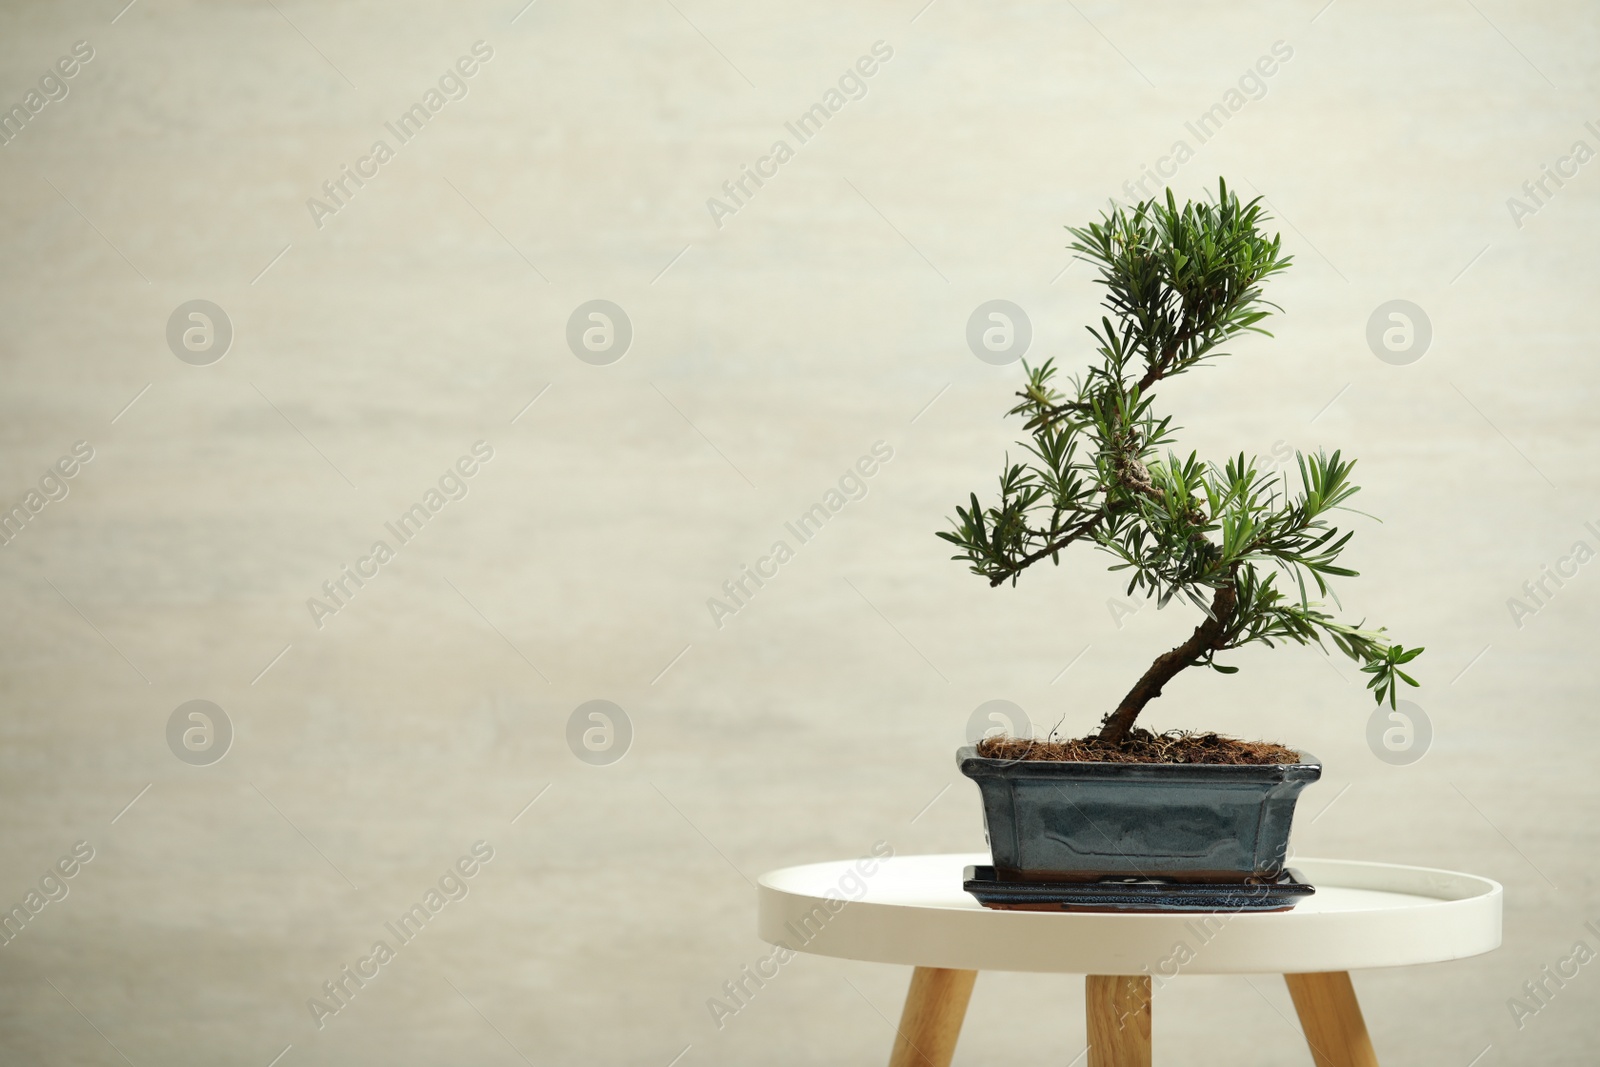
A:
1236, 543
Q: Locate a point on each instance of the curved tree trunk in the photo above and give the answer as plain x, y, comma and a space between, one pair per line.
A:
1114, 729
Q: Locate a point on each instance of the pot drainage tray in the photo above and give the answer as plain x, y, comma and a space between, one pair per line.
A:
1136, 894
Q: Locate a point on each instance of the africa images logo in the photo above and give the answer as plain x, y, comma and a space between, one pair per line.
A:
452, 85
852, 85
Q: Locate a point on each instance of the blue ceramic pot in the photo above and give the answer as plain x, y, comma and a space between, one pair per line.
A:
1083, 822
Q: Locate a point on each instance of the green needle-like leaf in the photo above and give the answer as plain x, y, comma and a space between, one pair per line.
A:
1179, 283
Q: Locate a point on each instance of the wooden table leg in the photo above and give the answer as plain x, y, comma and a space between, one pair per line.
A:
1118, 1012
936, 1004
1331, 1019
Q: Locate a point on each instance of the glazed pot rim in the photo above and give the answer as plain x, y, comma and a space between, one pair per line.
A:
967, 756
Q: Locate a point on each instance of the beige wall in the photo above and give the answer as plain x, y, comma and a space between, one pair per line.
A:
768, 354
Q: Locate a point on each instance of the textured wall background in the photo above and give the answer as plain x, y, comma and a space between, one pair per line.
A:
768, 354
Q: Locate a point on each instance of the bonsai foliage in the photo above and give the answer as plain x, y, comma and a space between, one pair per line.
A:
1244, 547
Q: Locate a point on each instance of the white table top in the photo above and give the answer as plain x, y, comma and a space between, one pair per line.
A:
912, 910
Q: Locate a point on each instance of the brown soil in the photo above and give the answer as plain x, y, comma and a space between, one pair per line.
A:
1141, 746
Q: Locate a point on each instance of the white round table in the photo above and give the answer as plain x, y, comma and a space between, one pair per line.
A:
912, 910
